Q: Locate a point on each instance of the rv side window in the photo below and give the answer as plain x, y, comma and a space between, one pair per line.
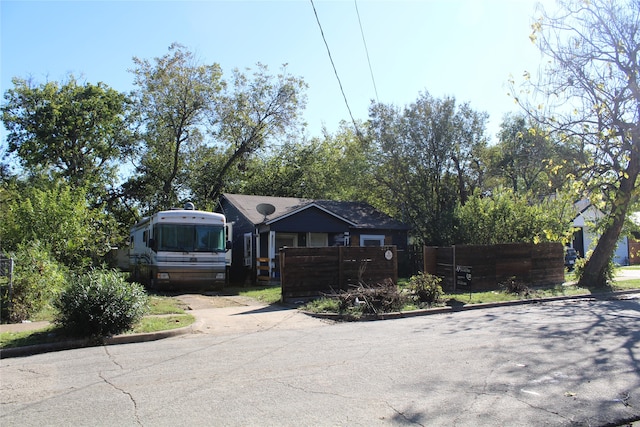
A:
145, 237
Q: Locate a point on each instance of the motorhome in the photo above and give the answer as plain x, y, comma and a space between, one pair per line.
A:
180, 248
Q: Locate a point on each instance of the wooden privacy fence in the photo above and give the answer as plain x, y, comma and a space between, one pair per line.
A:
310, 272
484, 267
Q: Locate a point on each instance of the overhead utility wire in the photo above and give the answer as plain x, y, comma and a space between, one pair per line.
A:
375, 89
334, 67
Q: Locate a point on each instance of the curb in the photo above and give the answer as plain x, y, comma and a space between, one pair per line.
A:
194, 327
90, 342
453, 309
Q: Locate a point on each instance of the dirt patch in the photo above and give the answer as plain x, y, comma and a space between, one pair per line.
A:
203, 302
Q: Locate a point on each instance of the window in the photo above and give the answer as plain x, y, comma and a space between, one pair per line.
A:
189, 238
286, 239
372, 240
318, 240
248, 249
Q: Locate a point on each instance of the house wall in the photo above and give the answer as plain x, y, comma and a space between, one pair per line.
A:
584, 221
238, 273
397, 238
310, 220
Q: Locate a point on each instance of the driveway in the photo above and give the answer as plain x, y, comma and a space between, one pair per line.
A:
237, 314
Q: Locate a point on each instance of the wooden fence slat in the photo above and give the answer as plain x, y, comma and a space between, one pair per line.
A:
492, 264
314, 271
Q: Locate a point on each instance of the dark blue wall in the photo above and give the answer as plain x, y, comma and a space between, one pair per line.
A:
311, 220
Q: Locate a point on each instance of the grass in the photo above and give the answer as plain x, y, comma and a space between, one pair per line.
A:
162, 323
327, 305
266, 294
169, 313
165, 313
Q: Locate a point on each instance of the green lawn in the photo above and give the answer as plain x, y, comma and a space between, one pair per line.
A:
169, 313
266, 294
326, 305
165, 313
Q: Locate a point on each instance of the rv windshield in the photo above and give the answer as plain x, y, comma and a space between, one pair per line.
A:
189, 238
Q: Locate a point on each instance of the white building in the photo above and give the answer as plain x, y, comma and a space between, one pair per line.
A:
585, 238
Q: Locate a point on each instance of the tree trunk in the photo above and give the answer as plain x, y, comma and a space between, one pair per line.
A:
595, 270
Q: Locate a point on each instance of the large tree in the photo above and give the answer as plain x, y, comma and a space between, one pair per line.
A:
69, 130
590, 91
174, 100
58, 216
334, 166
528, 159
198, 128
426, 160
255, 108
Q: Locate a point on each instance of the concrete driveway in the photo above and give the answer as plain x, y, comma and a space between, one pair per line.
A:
237, 314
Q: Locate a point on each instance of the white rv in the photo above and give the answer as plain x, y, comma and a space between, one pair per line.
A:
180, 248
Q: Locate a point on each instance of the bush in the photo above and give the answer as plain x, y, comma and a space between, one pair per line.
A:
362, 300
100, 303
609, 273
426, 289
37, 280
516, 287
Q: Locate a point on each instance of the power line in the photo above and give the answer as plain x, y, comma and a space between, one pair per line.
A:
375, 89
334, 66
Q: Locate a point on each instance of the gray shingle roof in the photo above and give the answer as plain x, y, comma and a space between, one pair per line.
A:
361, 214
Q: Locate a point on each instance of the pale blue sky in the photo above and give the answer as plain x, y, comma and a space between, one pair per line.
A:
464, 48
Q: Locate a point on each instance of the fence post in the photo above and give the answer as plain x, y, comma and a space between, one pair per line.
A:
453, 269
282, 274
340, 266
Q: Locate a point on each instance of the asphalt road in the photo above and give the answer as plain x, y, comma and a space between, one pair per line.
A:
570, 363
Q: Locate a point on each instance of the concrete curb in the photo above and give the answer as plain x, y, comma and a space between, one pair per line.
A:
453, 309
197, 325
30, 350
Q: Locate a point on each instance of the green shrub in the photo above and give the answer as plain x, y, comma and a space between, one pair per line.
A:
37, 280
425, 289
609, 273
515, 287
100, 303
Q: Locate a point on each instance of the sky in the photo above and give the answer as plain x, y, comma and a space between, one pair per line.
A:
467, 49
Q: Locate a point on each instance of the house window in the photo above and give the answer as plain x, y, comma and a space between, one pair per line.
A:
318, 240
372, 240
248, 249
286, 239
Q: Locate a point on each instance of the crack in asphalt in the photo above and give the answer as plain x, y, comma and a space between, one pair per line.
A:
403, 415
121, 390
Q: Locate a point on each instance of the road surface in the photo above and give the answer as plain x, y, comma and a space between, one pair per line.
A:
570, 363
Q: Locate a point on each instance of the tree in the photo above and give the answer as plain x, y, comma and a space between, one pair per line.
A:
196, 126
527, 159
332, 167
255, 110
510, 217
58, 216
174, 100
71, 131
425, 161
590, 92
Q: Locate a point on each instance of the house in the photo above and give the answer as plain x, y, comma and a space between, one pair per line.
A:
264, 224
584, 237
634, 242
